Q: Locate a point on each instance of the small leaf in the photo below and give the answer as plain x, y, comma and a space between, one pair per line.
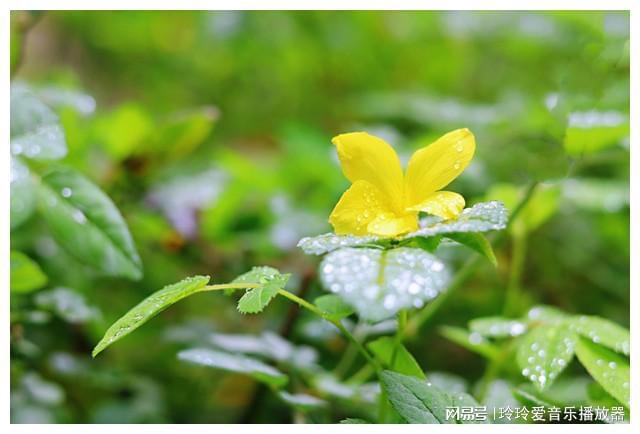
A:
351, 420
544, 352
334, 306
302, 401
26, 275
87, 224
150, 307
472, 341
256, 299
609, 369
379, 283
497, 327
69, 305
235, 363
35, 129
603, 332
417, 401
22, 193
546, 315
429, 244
404, 363
477, 242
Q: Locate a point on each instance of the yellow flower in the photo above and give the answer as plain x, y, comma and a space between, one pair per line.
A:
383, 200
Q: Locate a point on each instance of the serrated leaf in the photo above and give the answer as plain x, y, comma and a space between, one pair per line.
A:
85, 221
150, 307
302, 401
416, 400
334, 306
472, 341
25, 274
497, 327
270, 280
385, 347
544, 352
477, 242
35, 129
609, 369
235, 363
22, 193
602, 331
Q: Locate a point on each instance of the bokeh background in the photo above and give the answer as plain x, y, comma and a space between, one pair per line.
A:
211, 132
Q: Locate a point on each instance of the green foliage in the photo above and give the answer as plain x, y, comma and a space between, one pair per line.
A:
26, 275
87, 223
301, 401
334, 306
395, 357
477, 242
270, 280
148, 308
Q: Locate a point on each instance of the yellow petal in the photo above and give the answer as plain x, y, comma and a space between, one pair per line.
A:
369, 158
390, 225
435, 166
445, 204
357, 207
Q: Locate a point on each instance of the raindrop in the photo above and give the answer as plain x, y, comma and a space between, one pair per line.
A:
66, 192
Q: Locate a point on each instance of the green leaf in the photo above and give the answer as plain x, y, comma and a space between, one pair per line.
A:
150, 307
529, 398
36, 132
351, 420
302, 401
69, 305
472, 341
334, 306
540, 207
545, 315
87, 224
602, 331
235, 363
22, 193
183, 132
462, 399
26, 275
497, 327
404, 362
544, 352
477, 242
429, 244
593, 131
609, 369
379, 283
255, 300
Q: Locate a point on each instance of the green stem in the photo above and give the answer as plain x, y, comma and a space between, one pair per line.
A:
397, 342
467, 270
223, 286
347, 334
515, 274
348, 357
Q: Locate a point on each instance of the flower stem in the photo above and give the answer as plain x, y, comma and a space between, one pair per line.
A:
515, 273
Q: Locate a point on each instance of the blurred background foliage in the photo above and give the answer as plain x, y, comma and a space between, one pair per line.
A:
211, 132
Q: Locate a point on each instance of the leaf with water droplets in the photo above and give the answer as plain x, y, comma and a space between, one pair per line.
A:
25, 274
609, 369
302, 401
270, 280
35, 129
386, 350
602, 331
22, 194
234, 363
333, 306
379, 283
497, 327
329, 242
150, 307
85, 221
544, 352
546, 315
68, 304
482, 217
472, 341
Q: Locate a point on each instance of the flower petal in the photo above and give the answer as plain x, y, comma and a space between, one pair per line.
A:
369, 158
435, 166
390, 225
358, 206
445, 204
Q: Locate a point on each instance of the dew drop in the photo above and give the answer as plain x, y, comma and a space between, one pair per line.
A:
66, 192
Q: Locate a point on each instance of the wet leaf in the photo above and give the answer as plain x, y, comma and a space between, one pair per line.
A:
25, 274
472, 341
497, 327
302, 401
234, 363
150, 307
403, 361
85, 221
22, 193
36, 132
609, 369
325, 243
592, 131
334, 306
255, 300
380, 283
544, 353
68, 305
602, 331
